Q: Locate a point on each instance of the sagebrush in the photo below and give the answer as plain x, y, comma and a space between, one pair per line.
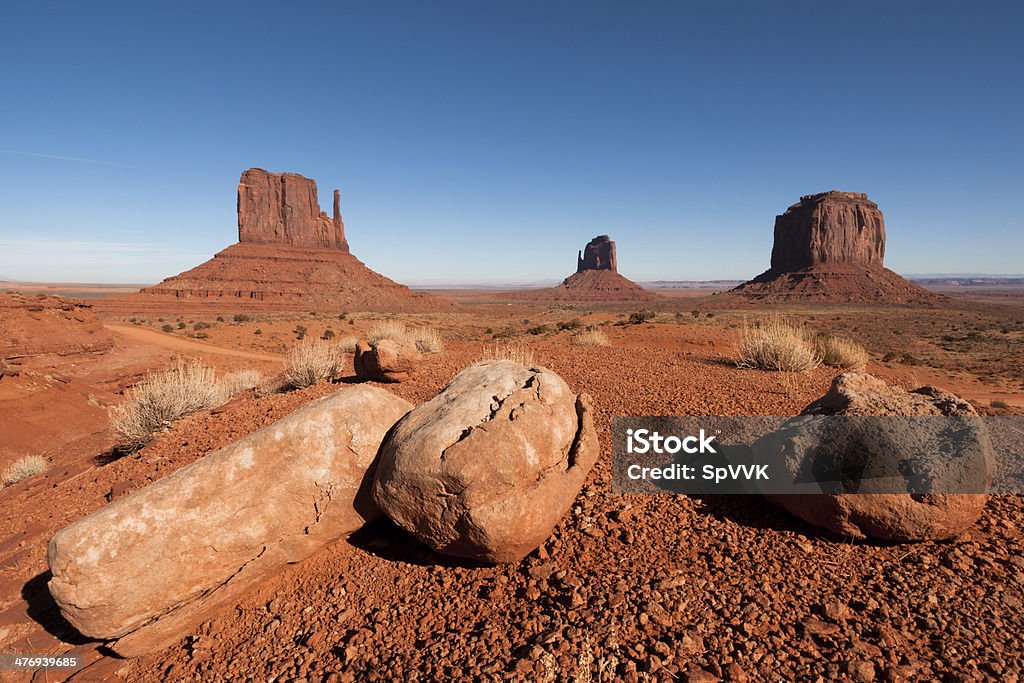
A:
508, 350
23, 468
161, 398
426, 339
777, 344
592, 337
311, 361
839, 352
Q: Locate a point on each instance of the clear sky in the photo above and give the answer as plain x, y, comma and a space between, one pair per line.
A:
487, 142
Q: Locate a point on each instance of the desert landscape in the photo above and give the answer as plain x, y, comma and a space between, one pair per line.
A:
288, 333
536, 342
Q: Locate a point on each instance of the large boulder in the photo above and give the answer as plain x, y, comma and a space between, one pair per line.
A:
386, 360
487, 468
933, 446
149, 567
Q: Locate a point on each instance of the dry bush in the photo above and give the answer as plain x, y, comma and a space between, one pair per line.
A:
236, 382
346, 344
509, 350
776, 344
387, 329
311, 361
426, 339
159, 399
839, 352
23, 468
593, 337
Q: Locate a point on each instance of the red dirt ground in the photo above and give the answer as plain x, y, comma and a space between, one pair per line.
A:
626, 588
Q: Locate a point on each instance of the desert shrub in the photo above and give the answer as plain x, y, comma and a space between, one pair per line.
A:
540, 329
637, 317
160, 398
238, 381
346, 344
168, 328
426, 339
387, 329
201, 326
242, 318
776, 344
300, 332
312, 361
327, 335
181, 326
23, 468
695, 314
257, 331
508, 350
839, 352
201, 335
220, 318
593, 337
574, 324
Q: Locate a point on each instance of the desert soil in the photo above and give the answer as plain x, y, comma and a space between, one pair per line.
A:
626, 588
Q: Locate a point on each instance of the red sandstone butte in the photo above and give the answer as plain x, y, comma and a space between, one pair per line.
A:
596, 279
290, 255
831, 246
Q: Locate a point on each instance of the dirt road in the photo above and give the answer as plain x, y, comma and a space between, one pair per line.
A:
176, 343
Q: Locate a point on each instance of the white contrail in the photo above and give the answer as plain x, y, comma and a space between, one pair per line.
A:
61, 157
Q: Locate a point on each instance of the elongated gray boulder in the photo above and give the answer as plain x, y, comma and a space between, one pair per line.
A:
489, 466
149, 567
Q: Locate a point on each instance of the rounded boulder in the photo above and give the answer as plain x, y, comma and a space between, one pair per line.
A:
386, 360
488, 467
934, 446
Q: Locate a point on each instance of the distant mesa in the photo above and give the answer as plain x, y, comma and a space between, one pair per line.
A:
290, 255
596, 279
831, 246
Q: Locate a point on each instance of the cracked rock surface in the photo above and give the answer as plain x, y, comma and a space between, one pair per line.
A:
487, 468
149, 567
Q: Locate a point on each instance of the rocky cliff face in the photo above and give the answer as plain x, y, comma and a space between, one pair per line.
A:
829, 227
599, 254
282, 208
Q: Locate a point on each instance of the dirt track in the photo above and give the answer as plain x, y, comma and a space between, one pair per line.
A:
174, 343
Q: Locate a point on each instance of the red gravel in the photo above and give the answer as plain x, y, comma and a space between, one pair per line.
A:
627, 588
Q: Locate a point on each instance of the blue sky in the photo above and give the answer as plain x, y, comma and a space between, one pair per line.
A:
487, 142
